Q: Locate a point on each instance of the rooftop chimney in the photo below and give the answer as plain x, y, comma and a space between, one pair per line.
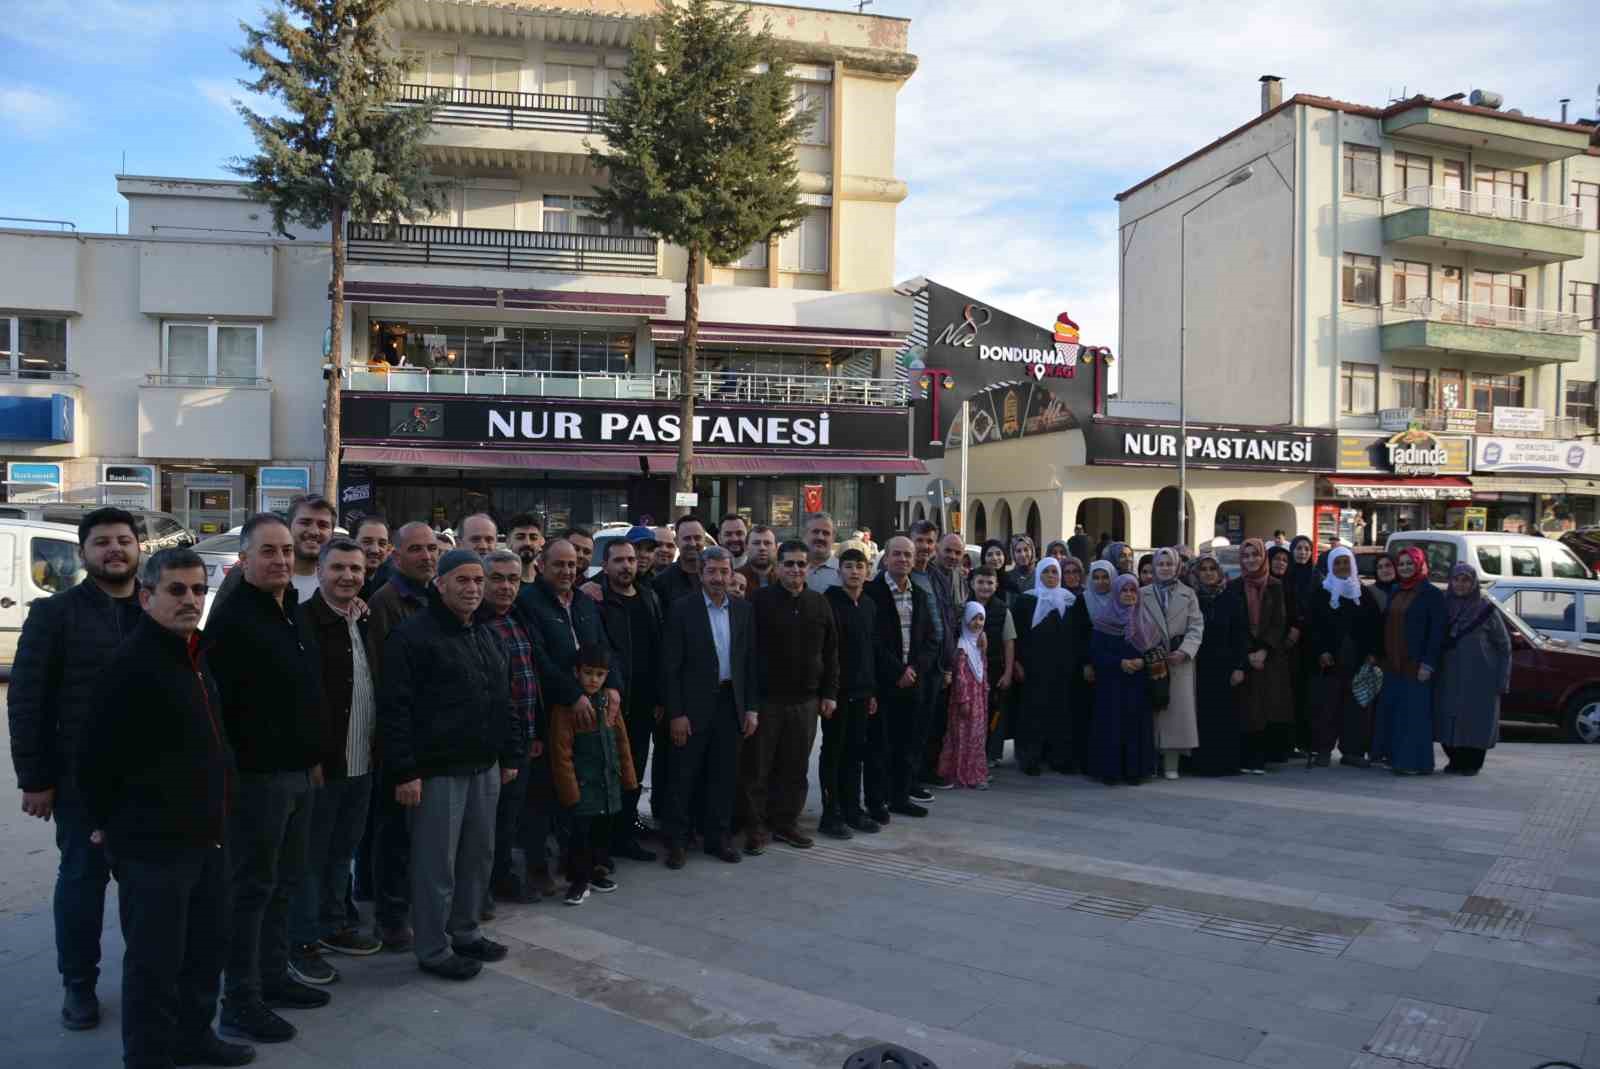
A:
1271, 92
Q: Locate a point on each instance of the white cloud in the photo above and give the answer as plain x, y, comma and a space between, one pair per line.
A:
33, 112
220, 93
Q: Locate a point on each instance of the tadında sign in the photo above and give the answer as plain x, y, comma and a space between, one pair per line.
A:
1216, 447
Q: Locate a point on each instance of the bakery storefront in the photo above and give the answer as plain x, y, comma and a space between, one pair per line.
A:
588, 462
1409, 480
1524, 485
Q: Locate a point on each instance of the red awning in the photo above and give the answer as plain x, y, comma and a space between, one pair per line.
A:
782, 336
600, 462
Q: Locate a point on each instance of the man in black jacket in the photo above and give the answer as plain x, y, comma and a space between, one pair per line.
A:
154, 771
566, 621
450, 738
708, 668
910, 653
682, 577
632, 617
66, 641
844, 734
271, 707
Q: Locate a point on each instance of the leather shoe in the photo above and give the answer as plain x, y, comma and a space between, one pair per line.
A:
908, 809
835, 829
394, 940
633, 851
725, 853
755, 844
80, 1009
676, 858
864, 824
879, 815
288, 994
213, 1050
455, 967
795, 838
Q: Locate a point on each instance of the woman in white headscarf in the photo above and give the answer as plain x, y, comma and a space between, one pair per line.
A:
963, 760
1345, 634
1172, 614
1046, 655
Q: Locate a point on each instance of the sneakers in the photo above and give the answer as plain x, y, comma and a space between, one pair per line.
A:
1169, 774
864, 824
633, 851
307, 965
455, 967
482, 950
982, 786
938, 783
290, 994
921, 794
214, 1051
834, 828
350, 941
908, 809
80, 1009
578, 894
602, 885
257, 1023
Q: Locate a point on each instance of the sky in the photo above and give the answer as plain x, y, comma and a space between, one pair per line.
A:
1024, 120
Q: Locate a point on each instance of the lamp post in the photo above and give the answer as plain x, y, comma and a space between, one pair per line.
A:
1234, 179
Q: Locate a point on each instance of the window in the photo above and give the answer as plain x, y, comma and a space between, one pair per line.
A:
1490, 391
1441, 556
199, 353
1525, 562
1411, 387
1489, 560
805, 248
1452, 388
1410, 280
1413, 175
569, 214
1361, 170
1498, 298
431, 67
1581, 398
1497, 191
1586, 198
494, 72
1583, 301
569, 79
815, 97
755, 257
1360, 279
1547, 610
1453, 180
33, 347
1358, 389
1591, 616
54, 564
1564, 564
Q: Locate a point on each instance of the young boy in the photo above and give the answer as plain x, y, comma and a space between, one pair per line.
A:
590, 769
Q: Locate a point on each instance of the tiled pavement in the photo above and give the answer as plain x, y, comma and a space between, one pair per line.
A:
1319, 920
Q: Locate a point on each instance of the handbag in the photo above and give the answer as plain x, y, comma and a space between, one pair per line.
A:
1160, 685
1366, 685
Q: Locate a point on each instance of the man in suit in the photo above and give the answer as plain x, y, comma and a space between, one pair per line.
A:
908, 654
707, 664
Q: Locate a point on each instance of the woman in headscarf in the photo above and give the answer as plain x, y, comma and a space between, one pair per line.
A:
1001, 632
1120, 556
1343, 636
1172, 617
1413, 637
1018, 579
1475, 670
1058, 549
1387, 581
1096, 596
1266, 710
1147, 570
1122, 742
961, 760
1301, 587
1080, 698
1384, 579
1220, 668
1046, 654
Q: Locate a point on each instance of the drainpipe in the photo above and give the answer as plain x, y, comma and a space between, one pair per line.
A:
1338, 258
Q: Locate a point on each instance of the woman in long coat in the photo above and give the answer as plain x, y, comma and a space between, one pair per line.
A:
1413, 637
1172, 616
1266, 697
1080, 690
1122, 743
1046, 653
1343, 636
1219, 668
1475, 671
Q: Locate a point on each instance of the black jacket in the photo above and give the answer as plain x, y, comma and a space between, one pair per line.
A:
672, 583
154, 765
689, 667
924, 648
557, 632
445, 704
326, 635
860, 649
641, 666
797, 646
1350, 634
66, 641
271, 695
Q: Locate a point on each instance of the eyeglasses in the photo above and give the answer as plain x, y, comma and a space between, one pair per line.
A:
178, 590
792, 564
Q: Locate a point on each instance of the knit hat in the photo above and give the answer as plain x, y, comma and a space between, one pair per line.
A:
455, 559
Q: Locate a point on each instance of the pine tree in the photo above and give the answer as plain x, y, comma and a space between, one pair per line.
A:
700, 151
337, 150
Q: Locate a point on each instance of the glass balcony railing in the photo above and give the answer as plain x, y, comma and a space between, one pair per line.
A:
1516, 209
726, 387
1475, 314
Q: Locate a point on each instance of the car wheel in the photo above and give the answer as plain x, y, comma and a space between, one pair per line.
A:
1582, 719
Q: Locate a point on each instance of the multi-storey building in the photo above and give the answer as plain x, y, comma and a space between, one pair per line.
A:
514, 352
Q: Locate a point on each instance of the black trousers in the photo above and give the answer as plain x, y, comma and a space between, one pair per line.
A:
507, 822
932, 712
1466, 758
1336, 718
268, 834
641, 725
844, 737
709, 756
391, 859
588, 845
174, 931
898, 714
541, 815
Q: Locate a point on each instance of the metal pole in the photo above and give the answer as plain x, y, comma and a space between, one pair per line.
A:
965, 434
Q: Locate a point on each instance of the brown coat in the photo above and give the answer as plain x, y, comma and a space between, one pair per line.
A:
1267, 696
584, 772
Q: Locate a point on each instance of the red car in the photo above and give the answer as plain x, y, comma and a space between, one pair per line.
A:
1552, 682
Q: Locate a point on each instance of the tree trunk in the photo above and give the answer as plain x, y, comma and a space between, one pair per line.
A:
333, 379
684, 482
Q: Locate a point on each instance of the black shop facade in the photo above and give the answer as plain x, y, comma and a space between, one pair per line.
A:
589, 462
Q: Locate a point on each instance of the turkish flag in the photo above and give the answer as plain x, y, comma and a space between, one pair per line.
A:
813, 497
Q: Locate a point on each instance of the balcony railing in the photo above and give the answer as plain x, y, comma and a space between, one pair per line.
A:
421, 245
1474, 314
161, 378
24, 375
501, 109
1517, 209
1452, 421
726, 387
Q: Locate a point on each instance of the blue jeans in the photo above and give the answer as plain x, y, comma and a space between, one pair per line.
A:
338, 816
80, 897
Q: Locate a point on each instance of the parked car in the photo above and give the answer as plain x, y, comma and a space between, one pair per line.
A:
1585, 542
1493, 556
37, 559
156, 530
1565, 609
1552, 681
221, 553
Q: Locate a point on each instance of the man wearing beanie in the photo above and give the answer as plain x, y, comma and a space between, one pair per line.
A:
450, 738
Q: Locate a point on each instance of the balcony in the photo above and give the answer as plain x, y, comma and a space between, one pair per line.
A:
499, 109
421, 245
725, 387
1527, 231
1522, 139
1526, 335
190, 416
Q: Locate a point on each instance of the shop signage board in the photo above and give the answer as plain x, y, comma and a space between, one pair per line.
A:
277, 487
1519, 419
38, 419
33, 483
1408, 452
1536, 456
1344, 491
129, 486
1242, 448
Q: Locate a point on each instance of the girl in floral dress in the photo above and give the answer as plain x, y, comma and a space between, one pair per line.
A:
963, 761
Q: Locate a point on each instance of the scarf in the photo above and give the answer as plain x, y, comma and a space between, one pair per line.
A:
1164, 586
1113, 554
969, 641
1057, 599
1077, 570
1385, 585
1464, 612
1096, 602
1255, 583
1348, 589
1421, 561
1123, 621
1208, 594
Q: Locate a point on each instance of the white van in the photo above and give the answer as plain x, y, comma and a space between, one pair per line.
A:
1492, 556
36, 560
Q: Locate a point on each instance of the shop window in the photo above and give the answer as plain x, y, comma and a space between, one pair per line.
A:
1360, 279
1410, 280
1586, 198
225, 354
54, 564
1411, 387
1413, 175
1524, 562
1358, 389
1583, 301
1495, 391
814, 96
805, 248
498, 347
1581, 397
1489, 560
1361, 170
35, 347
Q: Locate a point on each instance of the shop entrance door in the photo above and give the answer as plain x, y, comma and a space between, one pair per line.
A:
209, 510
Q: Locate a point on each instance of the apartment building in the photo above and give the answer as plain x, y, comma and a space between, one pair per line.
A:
516, 352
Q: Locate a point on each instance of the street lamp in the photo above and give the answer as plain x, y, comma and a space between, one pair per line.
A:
1236, 178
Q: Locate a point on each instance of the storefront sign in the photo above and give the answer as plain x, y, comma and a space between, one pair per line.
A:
277, 487
33, 483
1519, 419
1344, 491
129, 486
1415, 452
625, 426
1395, 419
37, 419
356, 496
1001, 413
1246, 448
1410, 452
1537, 456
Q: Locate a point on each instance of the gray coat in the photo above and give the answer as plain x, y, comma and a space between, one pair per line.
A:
1466, 696
1181, 626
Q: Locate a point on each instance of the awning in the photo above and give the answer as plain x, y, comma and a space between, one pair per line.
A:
520, 300
757, 465
1379, 488
600, 462
781, 336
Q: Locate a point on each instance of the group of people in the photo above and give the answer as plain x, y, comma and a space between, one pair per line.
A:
368, 717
